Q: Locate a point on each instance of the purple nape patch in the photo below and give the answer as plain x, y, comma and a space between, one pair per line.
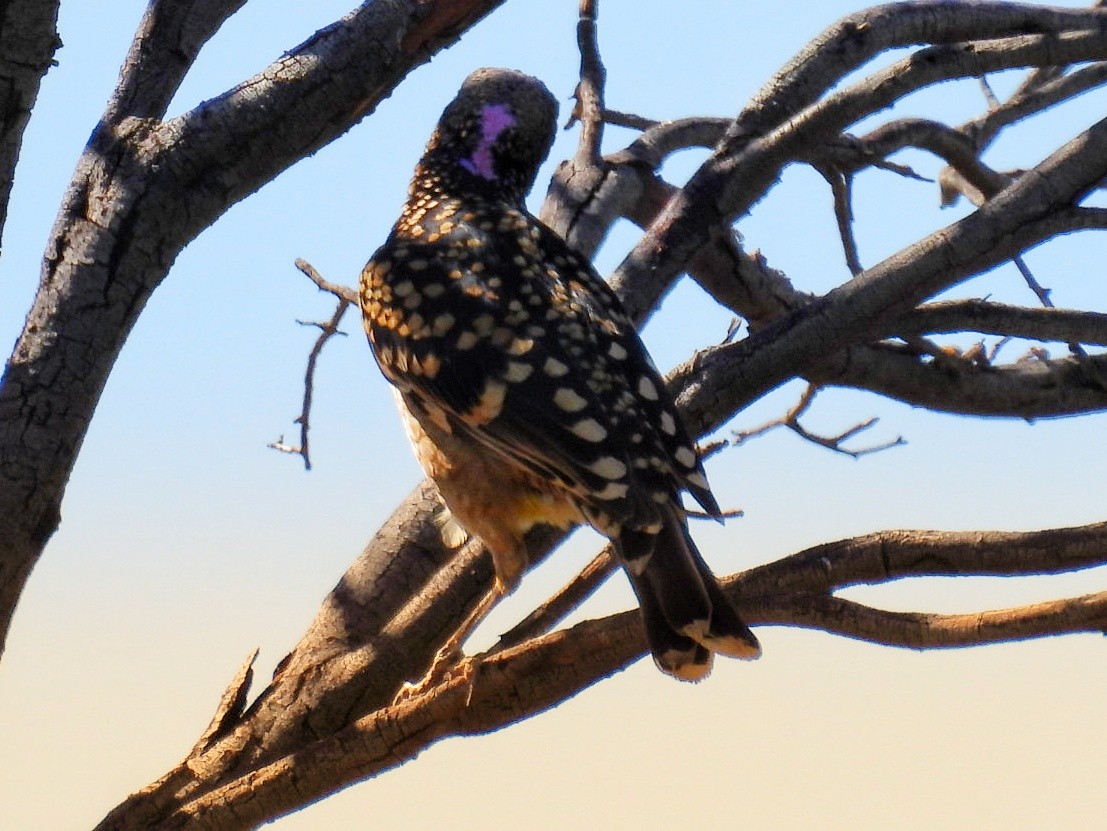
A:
494, 119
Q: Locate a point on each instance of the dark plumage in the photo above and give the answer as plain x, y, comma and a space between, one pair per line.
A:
525, 388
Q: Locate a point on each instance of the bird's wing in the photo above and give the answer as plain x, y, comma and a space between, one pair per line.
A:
560, 384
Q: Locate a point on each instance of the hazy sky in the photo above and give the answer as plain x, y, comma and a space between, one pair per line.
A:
185, 542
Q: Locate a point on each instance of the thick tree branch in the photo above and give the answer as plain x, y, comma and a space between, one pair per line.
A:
740, 170
165, 46
494, 690
143, 190
856, 39
28, 40
1014, 220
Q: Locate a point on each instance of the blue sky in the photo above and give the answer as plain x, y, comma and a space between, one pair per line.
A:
185, 542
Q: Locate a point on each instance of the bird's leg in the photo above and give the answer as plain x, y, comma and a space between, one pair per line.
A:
450, 654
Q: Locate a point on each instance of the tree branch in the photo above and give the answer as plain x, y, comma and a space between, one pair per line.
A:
142, 190
505, 686
741, 168
991, 318
791, 420
164, 48
28, 40
346, 298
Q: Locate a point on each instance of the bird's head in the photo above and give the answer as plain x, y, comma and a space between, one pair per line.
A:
492, 138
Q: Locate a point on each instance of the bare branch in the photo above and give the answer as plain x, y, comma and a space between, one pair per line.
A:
893, 555
1043, 90
327, 330
506, 685
933, 631
1043, 295
1002, 227
164, 48
567, 598
791, 420
630, 120
589, 92
343, 293
841, 186
991, 318
748, 162
857, 38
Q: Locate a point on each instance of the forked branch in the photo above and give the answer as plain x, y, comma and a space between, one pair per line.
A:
327, 330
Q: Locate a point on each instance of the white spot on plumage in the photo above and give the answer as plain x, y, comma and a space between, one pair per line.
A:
483, 324
686, 456
430, 365
698, 480
589, 429
646, 389
608, 467
637, 565
613, 490
467, 340
520, 346
616, 351
442, 324
517, 371
555, 368
668, 424
569, 400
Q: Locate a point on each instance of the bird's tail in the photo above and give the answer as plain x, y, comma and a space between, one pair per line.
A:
686, 615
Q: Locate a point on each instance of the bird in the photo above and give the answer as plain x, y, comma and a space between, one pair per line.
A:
524, 387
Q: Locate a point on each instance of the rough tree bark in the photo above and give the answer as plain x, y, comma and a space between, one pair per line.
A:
144, 188
329, 716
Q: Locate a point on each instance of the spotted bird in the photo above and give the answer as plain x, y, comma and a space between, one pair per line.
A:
524, 387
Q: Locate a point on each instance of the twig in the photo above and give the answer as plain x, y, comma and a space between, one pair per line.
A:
346, 297
730, 513
841, 186
791, 421
629, 120
1043, 295
1004, 320
993, 353
569, 597
989, 94
337, 289
732, 329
